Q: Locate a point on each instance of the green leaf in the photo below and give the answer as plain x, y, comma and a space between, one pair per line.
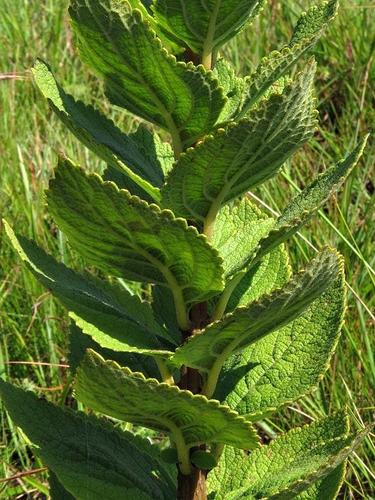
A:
137, 241
289, 362
139, 73
327, 488
287, 466
80, 342
234, 89
56, 489
205, 26
243, 155
91, 459
308, 30
268, 275
125, 153
129, 396
207, 351
112, 316
306, 203
239, 227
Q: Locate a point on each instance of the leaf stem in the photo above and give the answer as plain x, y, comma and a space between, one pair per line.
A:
208, 46
182, 449
213, 376
164, 371
226, 295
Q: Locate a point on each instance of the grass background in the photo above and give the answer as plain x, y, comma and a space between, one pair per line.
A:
33, 327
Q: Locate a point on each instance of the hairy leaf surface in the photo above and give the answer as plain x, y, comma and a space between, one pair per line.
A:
109, 314
210, 348
136, 240
91, 459
286, 364
306, 203
79, 342
308, 30
234, 89
287, 466
243, 155
134, 155
205, 26
239, 227
128, 396
327, 488
139, 73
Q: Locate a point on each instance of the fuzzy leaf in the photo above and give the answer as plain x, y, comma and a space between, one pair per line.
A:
306, 203
128, 396
286, 364
137, 241
140, 75
112, 316
205, 26
287, 466
123, 152
79, 342
238, 230
209, 349
327, 488
91, 459
234, 89
308, 30
239, 227
241, 156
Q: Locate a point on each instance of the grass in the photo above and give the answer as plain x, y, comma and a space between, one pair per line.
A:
33, 327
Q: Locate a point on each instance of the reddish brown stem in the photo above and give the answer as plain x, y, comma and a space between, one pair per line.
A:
193, 487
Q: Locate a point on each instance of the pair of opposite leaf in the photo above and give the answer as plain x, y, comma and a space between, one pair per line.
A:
241, 355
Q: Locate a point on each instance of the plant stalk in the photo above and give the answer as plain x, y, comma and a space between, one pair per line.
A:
192, 486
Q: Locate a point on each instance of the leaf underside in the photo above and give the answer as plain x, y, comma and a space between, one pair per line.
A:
128, 396
308, 30
249, 324
140, 75
305, 204
137, 241
235, 159
286, 364
211, 24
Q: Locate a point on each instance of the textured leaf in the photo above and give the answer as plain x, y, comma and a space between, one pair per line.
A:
79, 342
238, 230
137, 241
125, 395
91, 459
109, 314
205, 26
287, 466
125, 153
209, 349
268, 275
239, 227
286, 364
234, 89
308, 30
327, 488
306, 203
140, 75
243, 155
